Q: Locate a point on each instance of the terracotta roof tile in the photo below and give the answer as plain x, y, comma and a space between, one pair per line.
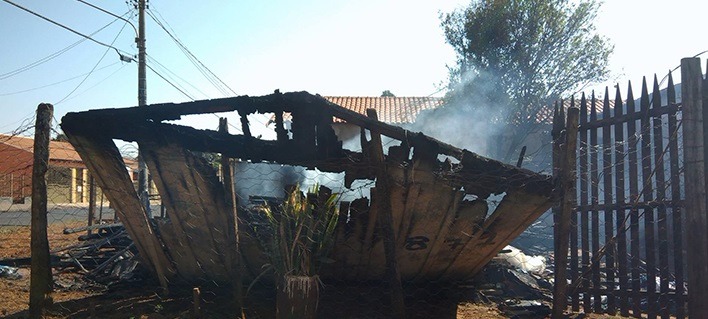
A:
58, 151
393, 110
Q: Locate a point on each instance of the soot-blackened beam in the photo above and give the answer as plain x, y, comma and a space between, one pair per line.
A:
115, 122
235, 146
272, 103
385, 220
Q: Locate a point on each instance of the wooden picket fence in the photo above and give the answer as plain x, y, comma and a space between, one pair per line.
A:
628, 251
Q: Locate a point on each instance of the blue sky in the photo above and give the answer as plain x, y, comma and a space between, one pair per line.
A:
355, 48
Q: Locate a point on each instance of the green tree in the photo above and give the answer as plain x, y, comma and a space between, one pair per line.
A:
387, 93
516, 57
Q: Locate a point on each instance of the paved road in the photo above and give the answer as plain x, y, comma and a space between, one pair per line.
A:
21, 217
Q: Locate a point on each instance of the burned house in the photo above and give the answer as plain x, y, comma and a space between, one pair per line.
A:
450, 210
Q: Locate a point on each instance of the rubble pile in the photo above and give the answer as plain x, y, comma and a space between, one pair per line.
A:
105, 256
521, 285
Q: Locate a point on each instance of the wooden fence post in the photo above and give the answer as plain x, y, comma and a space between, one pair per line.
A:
567, 161
234, 262
196, 303
41, 268
695, 186
92, 203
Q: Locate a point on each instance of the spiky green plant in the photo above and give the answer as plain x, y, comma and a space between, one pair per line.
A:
301, 232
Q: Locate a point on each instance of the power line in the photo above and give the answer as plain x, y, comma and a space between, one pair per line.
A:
170, 83
208, 74
67, 28
190, 57
94, 67
97, 83
110, 13
53, 55
152, 59
203, 69
58, 82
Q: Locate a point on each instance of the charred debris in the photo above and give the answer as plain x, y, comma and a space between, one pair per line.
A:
443, 224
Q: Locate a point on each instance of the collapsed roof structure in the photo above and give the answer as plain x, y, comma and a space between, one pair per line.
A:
438, 197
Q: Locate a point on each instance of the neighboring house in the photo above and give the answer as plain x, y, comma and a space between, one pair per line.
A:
67, 177
400, 111
391, 110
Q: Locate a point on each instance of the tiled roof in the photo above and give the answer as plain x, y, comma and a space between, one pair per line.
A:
545, 115
393, 110
58, 151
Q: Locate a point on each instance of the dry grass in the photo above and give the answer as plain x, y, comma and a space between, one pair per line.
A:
15, 243
15, 240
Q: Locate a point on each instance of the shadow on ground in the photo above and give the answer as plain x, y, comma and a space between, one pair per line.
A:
342, 301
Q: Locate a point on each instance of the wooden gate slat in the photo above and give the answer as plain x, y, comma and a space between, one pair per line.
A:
594, 199
676, 212
648, 195
584, 200
642, 247
621, 217
634, 198
662, 230
608, 197
573, 258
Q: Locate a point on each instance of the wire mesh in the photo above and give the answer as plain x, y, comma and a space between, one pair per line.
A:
446, 219
67, 193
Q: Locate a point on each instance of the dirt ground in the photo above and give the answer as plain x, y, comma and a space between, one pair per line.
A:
147, 302
74, 298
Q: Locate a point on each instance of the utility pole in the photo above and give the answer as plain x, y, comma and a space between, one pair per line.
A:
142, 101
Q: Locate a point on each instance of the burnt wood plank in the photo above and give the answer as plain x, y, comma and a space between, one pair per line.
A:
431, 216
413, 192
425, 215
339, 233
347, 251
105, 163
468, 220
232, 258
398, 176
197, 202
177, 246
496, 231
372, 262
245, 127
385, 220
440, 245
495, 235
